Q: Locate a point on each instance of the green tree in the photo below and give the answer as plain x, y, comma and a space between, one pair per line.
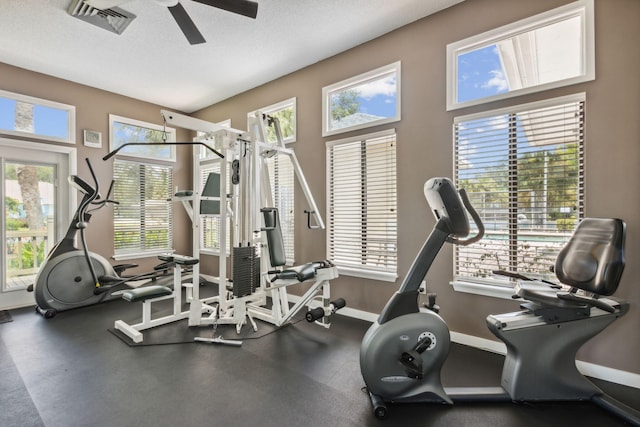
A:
551, 176
286, 119
344, 104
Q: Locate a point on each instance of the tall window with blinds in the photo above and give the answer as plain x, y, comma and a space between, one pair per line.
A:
523, 169
143, 223
362, 205
210, 224
282, 189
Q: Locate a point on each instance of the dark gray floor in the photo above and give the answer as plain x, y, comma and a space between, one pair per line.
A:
71, 371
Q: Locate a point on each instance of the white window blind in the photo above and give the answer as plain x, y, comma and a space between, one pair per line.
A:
211, 224
523, 169
362, 217
282, 188
143, 222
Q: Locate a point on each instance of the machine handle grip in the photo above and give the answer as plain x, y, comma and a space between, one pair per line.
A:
309, 213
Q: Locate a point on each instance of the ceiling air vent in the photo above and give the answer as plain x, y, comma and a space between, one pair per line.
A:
113, 19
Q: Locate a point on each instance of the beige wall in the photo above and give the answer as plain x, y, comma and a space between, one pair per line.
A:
425, 149
93, 107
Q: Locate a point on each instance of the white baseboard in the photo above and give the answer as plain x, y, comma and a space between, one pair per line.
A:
592, 370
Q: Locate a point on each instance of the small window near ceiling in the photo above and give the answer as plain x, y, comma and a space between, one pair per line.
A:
523, 169
27, 116
549, 50
366, 100
362, 228
123, 130
285, 112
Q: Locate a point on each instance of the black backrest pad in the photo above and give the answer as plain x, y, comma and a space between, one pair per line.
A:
211, 189
277, 256
593, 259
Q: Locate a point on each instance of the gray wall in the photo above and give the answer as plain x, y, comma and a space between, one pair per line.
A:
425, 149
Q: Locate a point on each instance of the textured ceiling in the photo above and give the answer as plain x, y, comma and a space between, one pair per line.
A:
152, 61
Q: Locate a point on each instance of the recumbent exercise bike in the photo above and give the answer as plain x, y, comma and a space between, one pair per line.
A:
403, 352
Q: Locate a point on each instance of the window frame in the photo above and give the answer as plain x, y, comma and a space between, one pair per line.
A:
368, 77
496, 287
583, 9
71, 117
363, 272
127, 152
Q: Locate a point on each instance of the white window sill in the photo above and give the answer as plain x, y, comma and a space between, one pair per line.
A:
495, 291
383, 276
138, 255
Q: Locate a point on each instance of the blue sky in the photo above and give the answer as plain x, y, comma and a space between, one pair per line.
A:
378, 97
480, 74
47, 121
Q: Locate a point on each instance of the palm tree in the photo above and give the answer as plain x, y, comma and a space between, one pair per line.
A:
28, 174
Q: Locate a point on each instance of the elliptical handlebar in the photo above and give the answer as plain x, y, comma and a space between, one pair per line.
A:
476, 219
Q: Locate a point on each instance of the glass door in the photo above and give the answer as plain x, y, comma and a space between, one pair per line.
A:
35, 210
29, 220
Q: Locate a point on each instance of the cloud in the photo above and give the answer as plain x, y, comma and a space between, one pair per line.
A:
386, 87
497, 82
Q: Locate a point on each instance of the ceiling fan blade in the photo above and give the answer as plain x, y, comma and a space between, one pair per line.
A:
186, 24
241, 7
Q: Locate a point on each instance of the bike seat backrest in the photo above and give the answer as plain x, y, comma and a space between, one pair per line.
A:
593, 259
446, 205
277, 255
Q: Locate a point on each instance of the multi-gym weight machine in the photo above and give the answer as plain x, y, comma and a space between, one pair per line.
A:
234, 186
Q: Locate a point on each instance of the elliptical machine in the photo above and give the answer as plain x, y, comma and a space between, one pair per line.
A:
73, 277
403, 352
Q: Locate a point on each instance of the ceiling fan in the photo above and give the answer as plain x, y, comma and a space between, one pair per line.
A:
241, 7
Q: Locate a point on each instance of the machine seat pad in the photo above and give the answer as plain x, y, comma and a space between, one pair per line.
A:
146, 292
185, 260
542, 294
301, 272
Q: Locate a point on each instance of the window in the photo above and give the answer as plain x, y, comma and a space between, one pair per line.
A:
363, 101
282, 188
211, 227
361, 199
548, 50
123, 130
27, 116
523, 169
143, 220
281, 171
285, 111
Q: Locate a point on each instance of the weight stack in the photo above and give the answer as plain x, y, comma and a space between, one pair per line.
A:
246, 270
